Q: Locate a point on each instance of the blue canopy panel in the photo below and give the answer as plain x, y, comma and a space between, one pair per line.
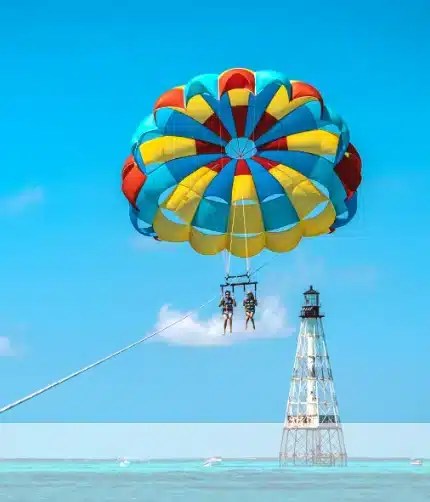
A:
222, 109
166, 176
351, 209
174, 123
146, 131
265, 184
145, 229
278, 213
212, 215
304, 118
221, 186
266, 78
202, 85
331, 117
257, 106
301, 162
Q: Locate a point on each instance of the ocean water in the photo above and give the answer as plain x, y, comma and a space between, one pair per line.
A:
230, 481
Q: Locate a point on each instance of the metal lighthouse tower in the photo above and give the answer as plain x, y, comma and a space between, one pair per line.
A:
312, 433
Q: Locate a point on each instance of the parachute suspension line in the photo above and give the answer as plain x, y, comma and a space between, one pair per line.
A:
225, 252
105, 359
231, 244
226, 262
246, 240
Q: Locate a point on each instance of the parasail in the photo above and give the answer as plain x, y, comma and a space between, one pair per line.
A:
241, 161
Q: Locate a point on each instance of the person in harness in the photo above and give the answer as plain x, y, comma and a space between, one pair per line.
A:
227, 303
250, 303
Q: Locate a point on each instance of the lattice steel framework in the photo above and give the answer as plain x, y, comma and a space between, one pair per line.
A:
312, 432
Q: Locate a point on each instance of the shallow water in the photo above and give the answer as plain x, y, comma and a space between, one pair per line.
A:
252, 481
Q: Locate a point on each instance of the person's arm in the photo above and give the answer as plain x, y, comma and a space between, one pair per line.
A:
221, 303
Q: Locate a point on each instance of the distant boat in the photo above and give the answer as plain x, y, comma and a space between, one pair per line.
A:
123, 462
212, 461
416, 461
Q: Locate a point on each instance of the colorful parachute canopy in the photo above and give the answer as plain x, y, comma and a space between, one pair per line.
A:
241, 161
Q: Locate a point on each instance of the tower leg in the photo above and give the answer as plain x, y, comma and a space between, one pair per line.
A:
320, 446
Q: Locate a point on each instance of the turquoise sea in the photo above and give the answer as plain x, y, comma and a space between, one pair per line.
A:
230, 481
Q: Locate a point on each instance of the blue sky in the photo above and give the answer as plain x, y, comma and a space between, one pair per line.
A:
159, 440
75, 282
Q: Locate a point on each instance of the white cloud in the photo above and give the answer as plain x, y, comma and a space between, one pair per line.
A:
5, 347
12, 331
271, 321
22, 200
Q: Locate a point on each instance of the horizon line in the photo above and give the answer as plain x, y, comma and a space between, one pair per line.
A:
186, 459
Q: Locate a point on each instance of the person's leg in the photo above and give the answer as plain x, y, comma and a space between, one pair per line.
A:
230, 318
246, 319
225, 322
251, 316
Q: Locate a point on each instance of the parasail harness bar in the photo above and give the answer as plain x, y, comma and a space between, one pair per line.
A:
234, 281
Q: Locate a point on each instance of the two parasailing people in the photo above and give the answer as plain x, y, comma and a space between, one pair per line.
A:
228, 303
